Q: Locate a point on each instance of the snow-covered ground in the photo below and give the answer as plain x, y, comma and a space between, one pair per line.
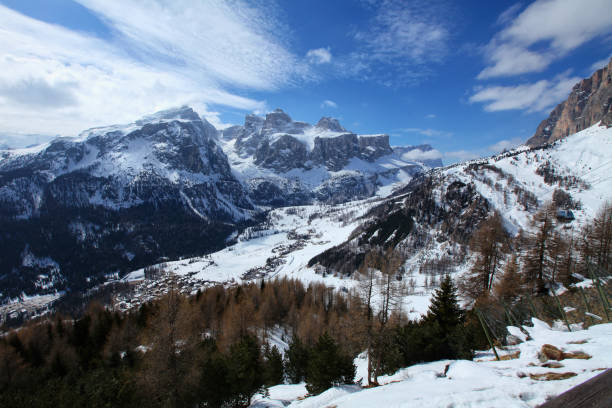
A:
483, 382
586, 155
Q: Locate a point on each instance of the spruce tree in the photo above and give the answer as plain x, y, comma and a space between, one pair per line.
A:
296, 361
444, 308
328, 366
443, 326
244, 370
273, 372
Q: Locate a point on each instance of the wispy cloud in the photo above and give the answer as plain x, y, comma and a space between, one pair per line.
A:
600, 64
401, 41
162, 54
542, 33
328, 104
319, 56
509, 14
426, 132
532, 97
418, 154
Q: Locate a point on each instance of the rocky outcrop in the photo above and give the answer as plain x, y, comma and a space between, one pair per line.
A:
284, 154
589, 102
330, 124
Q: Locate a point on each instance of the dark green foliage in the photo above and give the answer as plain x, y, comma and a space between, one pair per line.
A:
244, 370
444, 309
273, 372
214, 387
328, 366
296, 361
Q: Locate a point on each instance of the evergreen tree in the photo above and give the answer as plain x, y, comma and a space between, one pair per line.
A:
442, 328
244, 370
444, 308
296, 361
273, 372
328, 366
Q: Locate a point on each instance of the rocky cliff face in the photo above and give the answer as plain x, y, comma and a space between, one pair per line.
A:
589, 102
285, 162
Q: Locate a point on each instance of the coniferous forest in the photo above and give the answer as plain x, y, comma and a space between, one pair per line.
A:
210, 350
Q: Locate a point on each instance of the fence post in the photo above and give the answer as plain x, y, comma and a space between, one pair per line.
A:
586, 304
602, 296
563, 315
533, 309
484, 328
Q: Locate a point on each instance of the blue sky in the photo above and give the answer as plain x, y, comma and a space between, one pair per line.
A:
468, 79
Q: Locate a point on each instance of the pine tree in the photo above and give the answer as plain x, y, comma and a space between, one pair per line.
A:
442, 327
328, 366
444, 308
296, 361
244, 370
273, 371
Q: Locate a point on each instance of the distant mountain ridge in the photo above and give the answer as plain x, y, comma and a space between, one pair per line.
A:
76, 211
287, 162
589, 102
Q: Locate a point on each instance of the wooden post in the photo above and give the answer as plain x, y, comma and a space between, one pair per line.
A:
533, 309
602, 296
586, 304
486, 332
563, 315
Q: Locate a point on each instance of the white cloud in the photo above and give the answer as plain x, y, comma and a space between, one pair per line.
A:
507, 15
532, 97
426, 132
400, 42
328, 104
319, 56
505, 145
430, 116
600, 64
545, 31
162, 54
418, 154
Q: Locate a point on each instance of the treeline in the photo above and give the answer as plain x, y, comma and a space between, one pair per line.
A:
212, 349
534, 263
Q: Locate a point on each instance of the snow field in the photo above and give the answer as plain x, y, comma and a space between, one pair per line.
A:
480, 383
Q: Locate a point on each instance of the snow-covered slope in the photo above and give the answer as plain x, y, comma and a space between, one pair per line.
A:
431, 220
483, 382
434, 216
114, 199
580, 165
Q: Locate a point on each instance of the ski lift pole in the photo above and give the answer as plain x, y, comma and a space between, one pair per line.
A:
563, 315
484, 328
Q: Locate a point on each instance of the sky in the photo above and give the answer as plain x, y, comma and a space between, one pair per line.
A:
469, 80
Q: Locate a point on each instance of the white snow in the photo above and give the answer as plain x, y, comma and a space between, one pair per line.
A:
480, 383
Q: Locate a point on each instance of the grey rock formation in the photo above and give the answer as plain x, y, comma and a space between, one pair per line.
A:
589, 102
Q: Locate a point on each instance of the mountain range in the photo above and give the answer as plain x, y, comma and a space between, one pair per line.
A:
76, 211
